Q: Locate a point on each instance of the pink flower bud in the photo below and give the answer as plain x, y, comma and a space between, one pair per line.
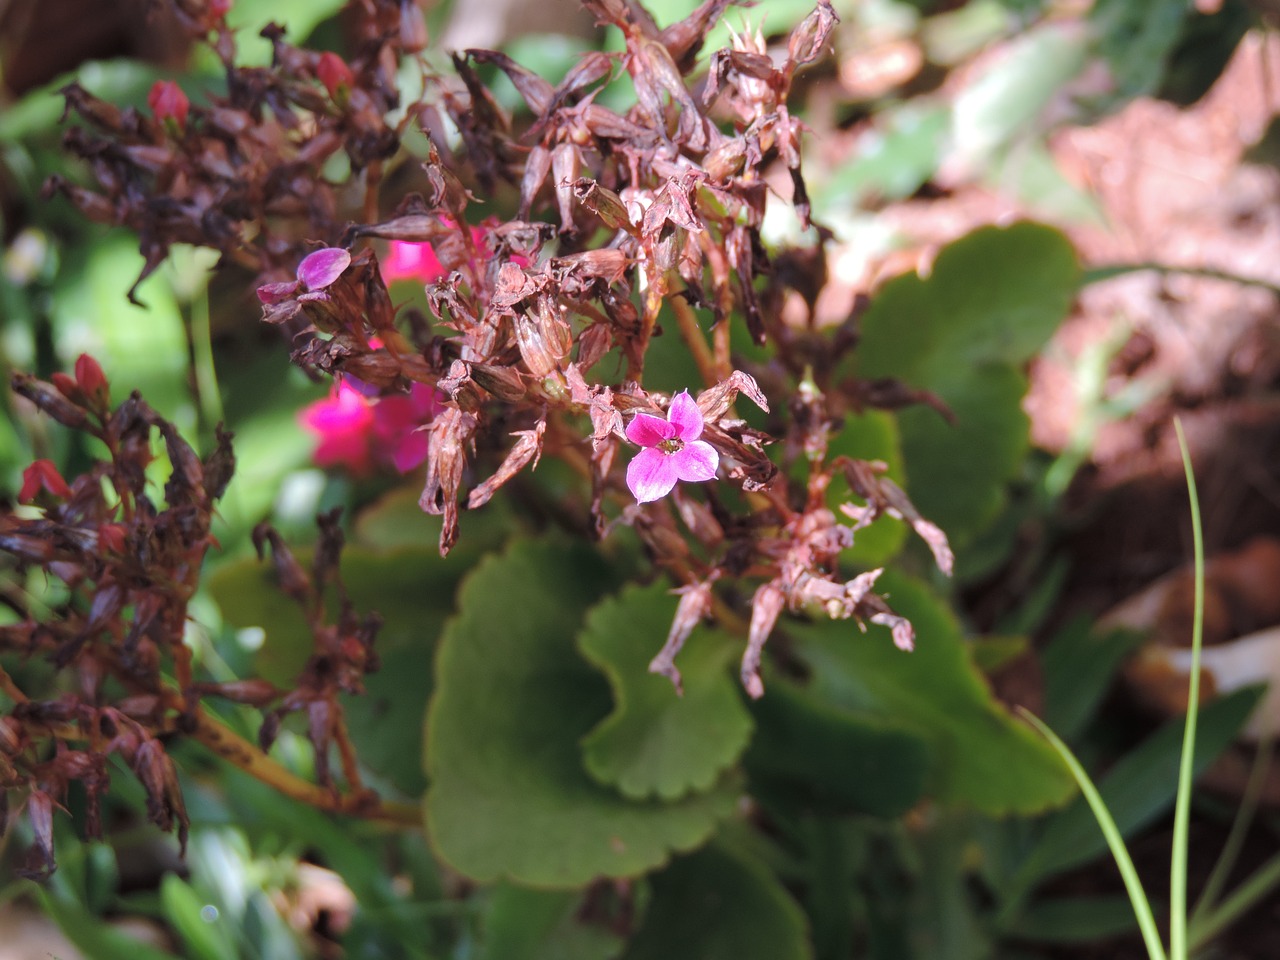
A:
336, 76
168, 102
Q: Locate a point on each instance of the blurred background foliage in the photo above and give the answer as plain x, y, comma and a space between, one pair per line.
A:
872, 804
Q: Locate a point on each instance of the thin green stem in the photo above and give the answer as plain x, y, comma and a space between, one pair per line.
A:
1235, 839
1261, 884
1182, 809
1132, 883
202, 355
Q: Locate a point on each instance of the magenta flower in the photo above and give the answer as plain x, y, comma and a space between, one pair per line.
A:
407, 260
672, 450
342, 423
316, 271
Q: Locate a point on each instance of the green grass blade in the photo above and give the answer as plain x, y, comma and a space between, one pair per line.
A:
1182, 808
1132, 884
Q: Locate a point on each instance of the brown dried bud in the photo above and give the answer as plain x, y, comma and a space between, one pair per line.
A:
694, 606
766, 605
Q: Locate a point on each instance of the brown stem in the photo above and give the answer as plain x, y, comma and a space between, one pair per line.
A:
694, 339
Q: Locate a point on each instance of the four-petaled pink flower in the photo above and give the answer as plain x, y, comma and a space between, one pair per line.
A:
672, 450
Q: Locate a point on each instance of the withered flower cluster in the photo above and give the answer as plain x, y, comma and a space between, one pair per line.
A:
627, 226
123, 681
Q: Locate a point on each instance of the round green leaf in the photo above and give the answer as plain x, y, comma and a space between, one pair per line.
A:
509, 796
656, 742
720, 905
983, 757
996, 295
524, 924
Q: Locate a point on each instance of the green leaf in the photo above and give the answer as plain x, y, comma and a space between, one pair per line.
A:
958, 473
992, 300
872, 435
509, 796
720, 905
94, 937
1137, 38
994, 296
523, 924
1138, 789
1075, 920
412, 589
1079, 665
809, 753
982, 757
204, 939
657, 742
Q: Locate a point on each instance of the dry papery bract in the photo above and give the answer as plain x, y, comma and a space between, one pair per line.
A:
627, 226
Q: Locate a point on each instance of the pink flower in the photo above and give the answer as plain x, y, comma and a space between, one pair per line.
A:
342, 422
672, 450
317, 270
397, 422
336, 76
411, 261
360, 431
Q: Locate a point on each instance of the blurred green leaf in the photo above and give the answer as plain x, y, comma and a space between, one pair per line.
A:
1136, 37
140, 348
657, 742
1204, 48
810, 754
94, 937
509, 796
204, 939
1007, 101
893, 161
718, 904
1138, 789
523, 924
1075, 920
1079, 665
982, 757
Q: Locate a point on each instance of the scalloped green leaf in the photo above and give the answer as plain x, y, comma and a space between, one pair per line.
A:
811, 754
509, 796
719, 904
990, 303
983, 758
657, 743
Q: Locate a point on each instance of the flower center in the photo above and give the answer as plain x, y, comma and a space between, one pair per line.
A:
670, 446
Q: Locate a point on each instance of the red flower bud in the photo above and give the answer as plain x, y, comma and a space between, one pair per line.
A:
219, 8
168, 102
111, 536
91, 379
42, 474
66, 386
336, 76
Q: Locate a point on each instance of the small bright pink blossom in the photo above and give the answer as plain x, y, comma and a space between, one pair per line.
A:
358, 430
672, 450
342, 423
411, 261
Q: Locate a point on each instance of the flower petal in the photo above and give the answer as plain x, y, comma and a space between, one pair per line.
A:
651, 474
649, 431
696, 462
685, 416
318, 270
